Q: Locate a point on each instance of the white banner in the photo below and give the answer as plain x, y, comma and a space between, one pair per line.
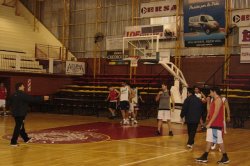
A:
75, 68
245, 55
158, 9
244, 35
114, 43
241, 17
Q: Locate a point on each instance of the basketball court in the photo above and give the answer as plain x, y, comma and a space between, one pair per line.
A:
85, 140
71, 52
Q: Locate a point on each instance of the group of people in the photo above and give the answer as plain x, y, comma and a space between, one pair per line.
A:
127, 98
216, 113
211, 109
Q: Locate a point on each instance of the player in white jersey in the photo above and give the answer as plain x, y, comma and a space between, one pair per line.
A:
126, 96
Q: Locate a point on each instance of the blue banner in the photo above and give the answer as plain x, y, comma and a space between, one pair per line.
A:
204, 23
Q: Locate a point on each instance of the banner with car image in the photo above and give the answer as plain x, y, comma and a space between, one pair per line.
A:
204, 23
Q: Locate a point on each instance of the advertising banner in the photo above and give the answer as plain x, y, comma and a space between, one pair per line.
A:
158, 9
75, 68
165, 31
204, 23
117, 55
241, 17
245, 55
244, 35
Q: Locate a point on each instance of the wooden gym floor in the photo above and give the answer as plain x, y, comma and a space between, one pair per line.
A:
148, 150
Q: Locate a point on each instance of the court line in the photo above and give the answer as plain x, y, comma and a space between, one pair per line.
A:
153, 158
150, 145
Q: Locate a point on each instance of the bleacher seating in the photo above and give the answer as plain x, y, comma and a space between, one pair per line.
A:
19, 38
237, 90
9, 62
87, 95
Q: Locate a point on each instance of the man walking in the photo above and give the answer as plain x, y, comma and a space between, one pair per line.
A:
19, 103
192, 111
215, 126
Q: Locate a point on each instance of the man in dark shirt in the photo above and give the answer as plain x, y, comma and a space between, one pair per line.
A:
19, 104
192, 111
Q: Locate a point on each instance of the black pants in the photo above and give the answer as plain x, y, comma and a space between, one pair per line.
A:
19, 130
192, 127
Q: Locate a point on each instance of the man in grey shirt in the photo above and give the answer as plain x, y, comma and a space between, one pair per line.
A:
164, 113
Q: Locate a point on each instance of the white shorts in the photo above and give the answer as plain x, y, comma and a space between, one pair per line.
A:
214, 136
2, 103
164, 115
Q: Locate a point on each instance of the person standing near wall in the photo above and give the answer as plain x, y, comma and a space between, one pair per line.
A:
164, 110
191, 111
19, 103
3, 96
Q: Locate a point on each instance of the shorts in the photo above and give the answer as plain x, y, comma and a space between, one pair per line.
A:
124, 105
214, 136
164, 115
2, 103
113, 105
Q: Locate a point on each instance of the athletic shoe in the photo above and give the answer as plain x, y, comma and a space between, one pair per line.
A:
170, 133
125, 122
213, 146
223, 160
135, 122
203, 158
189, 146
157, 132
14, 144
28, 141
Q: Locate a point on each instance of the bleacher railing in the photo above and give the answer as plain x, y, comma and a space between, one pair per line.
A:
48, 51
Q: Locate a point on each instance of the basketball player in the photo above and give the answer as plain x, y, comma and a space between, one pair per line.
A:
226, 118
126, 96
164, 114
112, 98
215, 126
3, 95
19, 103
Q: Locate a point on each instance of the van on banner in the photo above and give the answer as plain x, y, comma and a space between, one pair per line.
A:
204, 23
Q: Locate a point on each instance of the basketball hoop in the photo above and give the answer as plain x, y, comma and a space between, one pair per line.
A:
133, 60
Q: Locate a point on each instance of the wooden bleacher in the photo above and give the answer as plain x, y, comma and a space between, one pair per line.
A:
237, 90
87, 95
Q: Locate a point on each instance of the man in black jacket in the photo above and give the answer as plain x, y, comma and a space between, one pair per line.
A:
19, 104
192, 111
